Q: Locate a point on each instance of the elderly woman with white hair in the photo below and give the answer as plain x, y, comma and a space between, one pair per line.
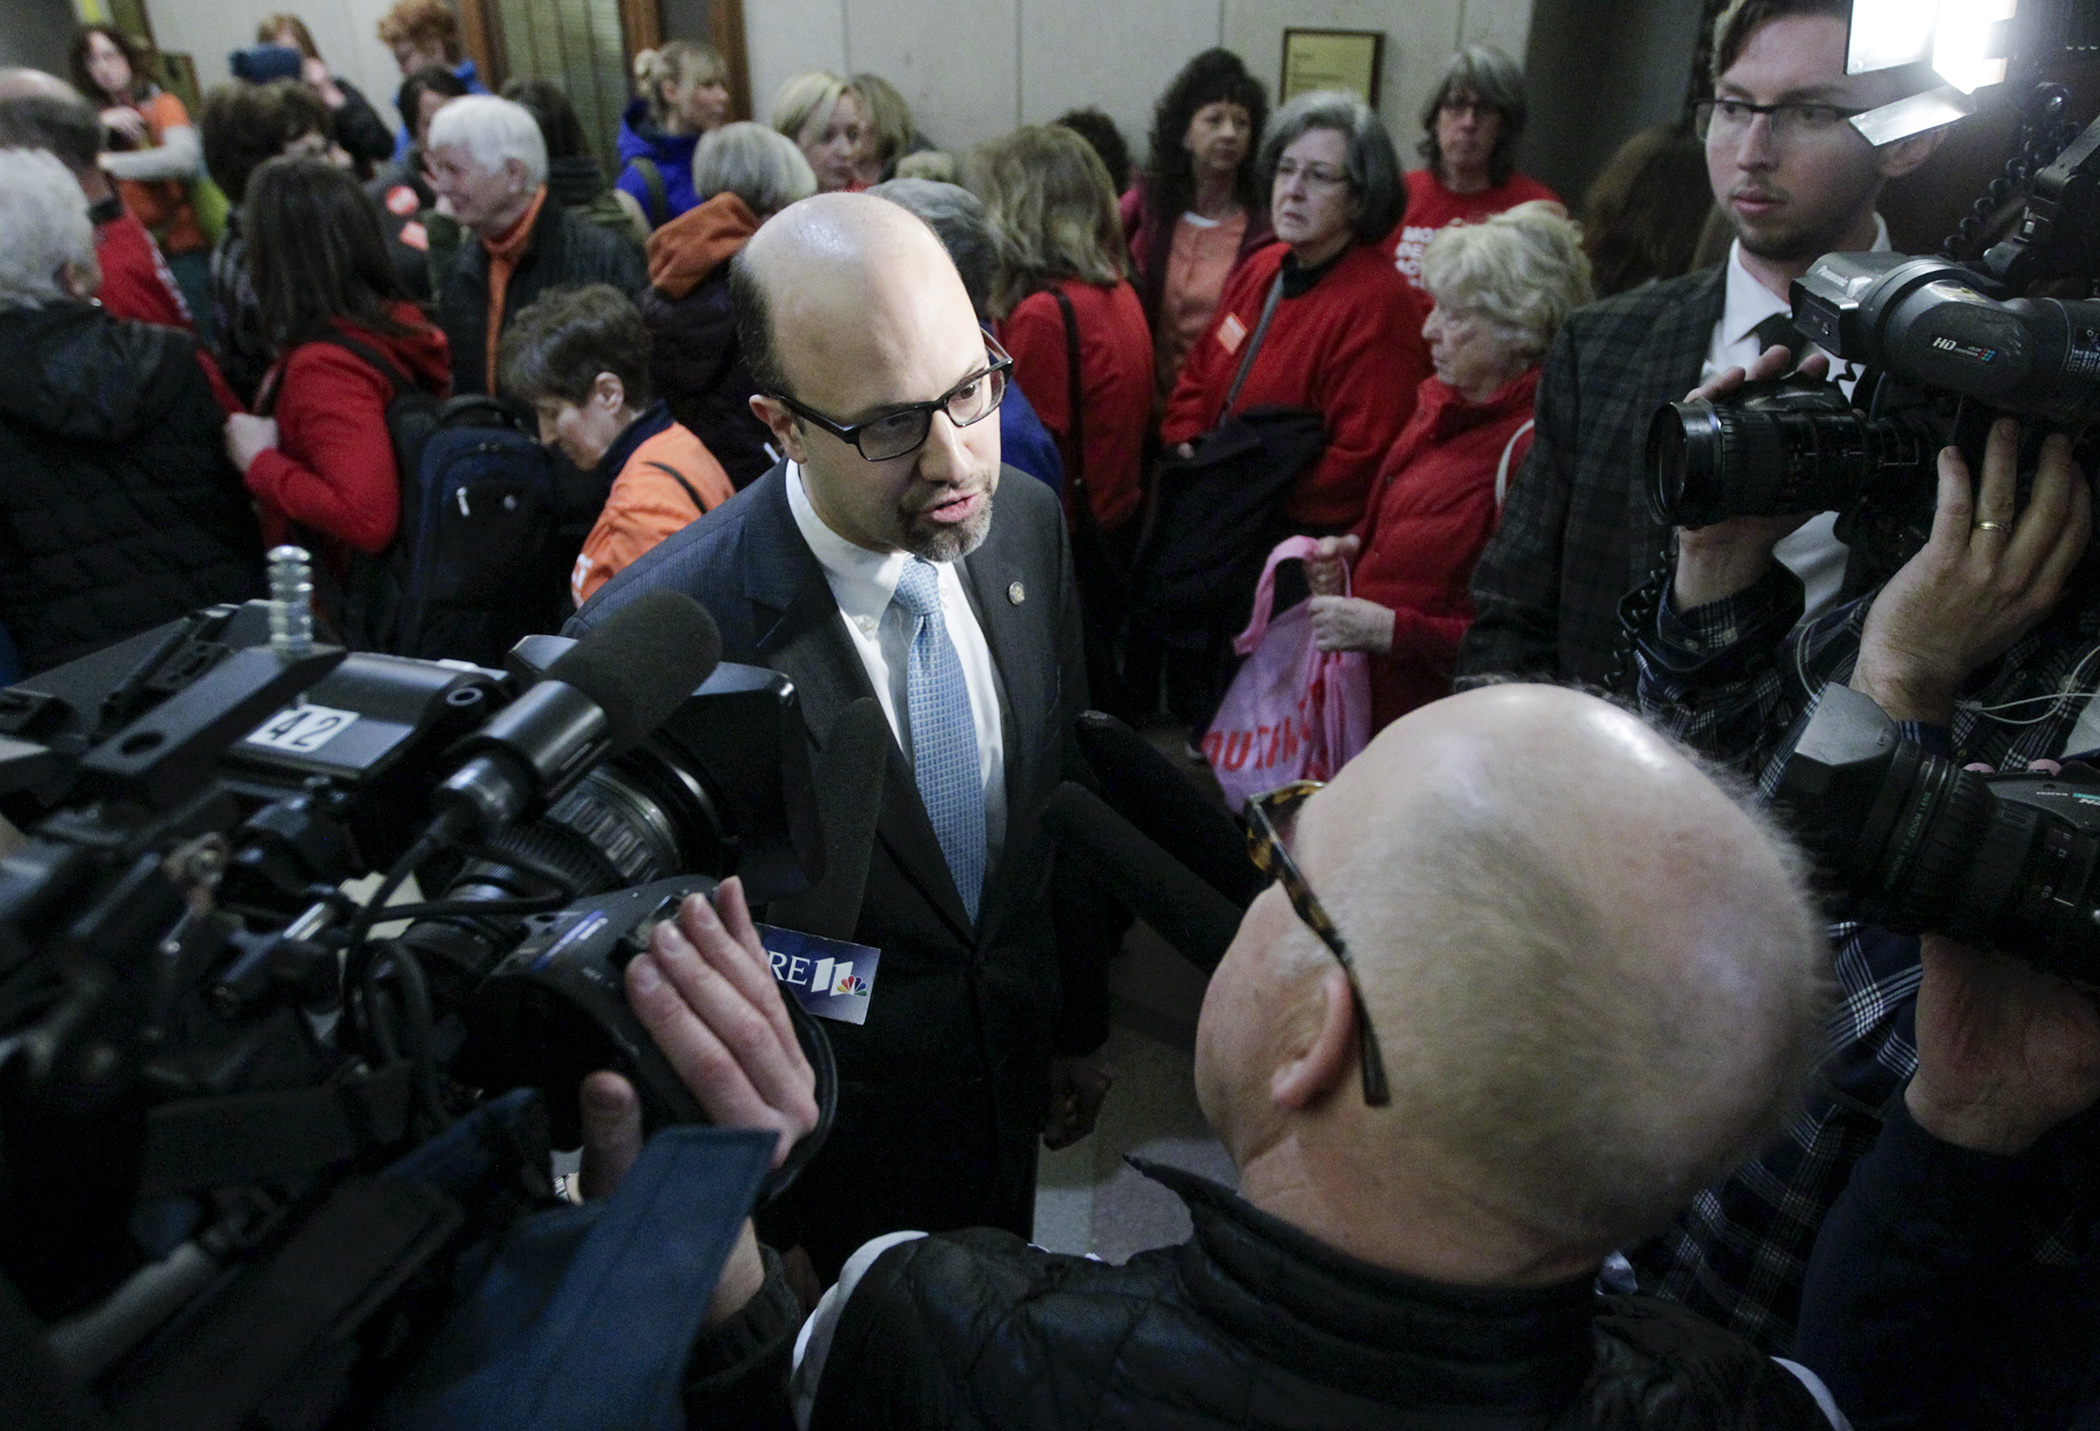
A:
1501, 288
120, 511
744, 173
488, 165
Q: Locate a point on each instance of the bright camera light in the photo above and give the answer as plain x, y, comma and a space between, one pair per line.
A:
1954, 36
1888, 33
1962, 37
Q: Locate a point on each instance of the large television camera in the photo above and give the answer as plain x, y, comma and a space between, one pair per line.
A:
1943, 347
209, 1049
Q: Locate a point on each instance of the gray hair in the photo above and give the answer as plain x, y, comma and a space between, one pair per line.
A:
493, 132
44, 229
1522, 271
759, 165
1498, 82
1374, 169
957, 218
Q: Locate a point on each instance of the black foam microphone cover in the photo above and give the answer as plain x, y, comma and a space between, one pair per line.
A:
1184, 820
641, 662
1181, 907
849, 777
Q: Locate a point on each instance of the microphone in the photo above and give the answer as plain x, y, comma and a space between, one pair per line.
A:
1184, 909
600, 699
849, 777
1168, 808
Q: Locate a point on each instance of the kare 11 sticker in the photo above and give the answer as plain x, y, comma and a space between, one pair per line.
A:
830, 978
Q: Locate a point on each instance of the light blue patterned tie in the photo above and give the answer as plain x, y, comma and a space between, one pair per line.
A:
943, 733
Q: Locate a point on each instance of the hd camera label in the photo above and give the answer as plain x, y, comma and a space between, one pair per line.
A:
830, 978
302, 730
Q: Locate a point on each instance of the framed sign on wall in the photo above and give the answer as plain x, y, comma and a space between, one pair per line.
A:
1350, 60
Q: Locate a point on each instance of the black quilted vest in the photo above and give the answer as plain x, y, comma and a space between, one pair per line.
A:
118, 508
1254, 1324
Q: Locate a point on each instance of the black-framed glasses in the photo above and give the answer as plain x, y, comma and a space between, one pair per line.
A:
903, 429
1790, 120
1265, 814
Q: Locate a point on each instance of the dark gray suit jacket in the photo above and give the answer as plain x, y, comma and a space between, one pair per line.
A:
943, 1089
1575, 534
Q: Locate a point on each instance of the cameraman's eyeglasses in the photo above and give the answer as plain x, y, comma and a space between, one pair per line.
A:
1731, 118
1265, 813
902, 430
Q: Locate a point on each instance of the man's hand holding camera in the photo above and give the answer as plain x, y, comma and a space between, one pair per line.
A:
705, 993
1986, 576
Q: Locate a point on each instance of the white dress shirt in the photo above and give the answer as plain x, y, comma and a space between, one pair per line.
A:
1813, 553
864, 583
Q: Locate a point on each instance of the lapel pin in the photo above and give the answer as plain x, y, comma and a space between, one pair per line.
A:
1016, 593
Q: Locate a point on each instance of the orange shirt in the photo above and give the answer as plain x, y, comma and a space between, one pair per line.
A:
650, 499
1198, 264
163, 205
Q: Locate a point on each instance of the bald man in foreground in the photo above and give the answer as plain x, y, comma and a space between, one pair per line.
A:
885, 557
1573, 1046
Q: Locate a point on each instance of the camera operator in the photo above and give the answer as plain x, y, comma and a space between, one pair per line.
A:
1440, 1134
1922, 1309
1971, 648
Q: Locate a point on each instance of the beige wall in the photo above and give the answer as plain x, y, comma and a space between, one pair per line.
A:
346, 31
973, 69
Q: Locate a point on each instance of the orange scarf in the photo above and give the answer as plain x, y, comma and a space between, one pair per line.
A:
504, 254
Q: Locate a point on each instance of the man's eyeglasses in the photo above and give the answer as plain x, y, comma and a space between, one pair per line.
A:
1265, 813
903, 429
1312, 174
1730, 119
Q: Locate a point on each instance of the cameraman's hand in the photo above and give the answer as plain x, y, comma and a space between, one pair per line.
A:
1729, 556
1982, 580
2005, 1052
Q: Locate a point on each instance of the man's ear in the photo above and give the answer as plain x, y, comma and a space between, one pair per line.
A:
1326, 1060
608, 392
1905, 155
787, 433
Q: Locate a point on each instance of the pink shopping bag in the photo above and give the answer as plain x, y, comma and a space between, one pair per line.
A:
1294, 712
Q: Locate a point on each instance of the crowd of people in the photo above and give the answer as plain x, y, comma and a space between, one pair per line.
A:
1636, 1153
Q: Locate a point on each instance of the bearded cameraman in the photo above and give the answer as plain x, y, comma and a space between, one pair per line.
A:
1985, 648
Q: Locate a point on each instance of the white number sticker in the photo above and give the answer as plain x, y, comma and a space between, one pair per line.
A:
302, 729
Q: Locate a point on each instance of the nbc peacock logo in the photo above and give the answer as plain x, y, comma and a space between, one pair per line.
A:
849, 982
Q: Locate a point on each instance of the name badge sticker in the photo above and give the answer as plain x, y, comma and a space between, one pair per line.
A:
830, 978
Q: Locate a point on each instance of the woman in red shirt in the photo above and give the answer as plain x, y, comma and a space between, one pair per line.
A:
1061, 288
320, 464
1345, 339
1502, 289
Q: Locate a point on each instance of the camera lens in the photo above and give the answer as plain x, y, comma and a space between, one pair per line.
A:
1777, 448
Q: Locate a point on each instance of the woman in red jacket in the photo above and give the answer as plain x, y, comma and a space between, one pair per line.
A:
1345, 339
319, 462
1060, 288
1501, 289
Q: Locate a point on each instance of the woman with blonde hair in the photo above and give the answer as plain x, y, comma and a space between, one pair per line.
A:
892, 133
684, 94
1082, 351
1502, 288
826, 117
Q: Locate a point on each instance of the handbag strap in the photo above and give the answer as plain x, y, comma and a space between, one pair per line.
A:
1509, 450
1077, 474
1261, 331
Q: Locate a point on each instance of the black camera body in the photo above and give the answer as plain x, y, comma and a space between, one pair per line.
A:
202, 1052
2007, 861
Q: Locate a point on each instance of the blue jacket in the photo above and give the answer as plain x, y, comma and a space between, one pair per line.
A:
672, 155
1024, 442
466, 71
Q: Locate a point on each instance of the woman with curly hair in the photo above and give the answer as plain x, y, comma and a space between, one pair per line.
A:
1198, 209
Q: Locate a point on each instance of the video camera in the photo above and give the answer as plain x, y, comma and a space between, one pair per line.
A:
206, 1050
1946, 347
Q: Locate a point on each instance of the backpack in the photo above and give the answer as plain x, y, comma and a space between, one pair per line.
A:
659, 206
490, 525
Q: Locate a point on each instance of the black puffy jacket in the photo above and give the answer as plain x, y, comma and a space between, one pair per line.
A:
697, 365
118, 507
1252, 1323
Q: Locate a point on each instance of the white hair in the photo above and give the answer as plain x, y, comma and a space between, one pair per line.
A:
493, 131
759, 165
1523, 271
44, 228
